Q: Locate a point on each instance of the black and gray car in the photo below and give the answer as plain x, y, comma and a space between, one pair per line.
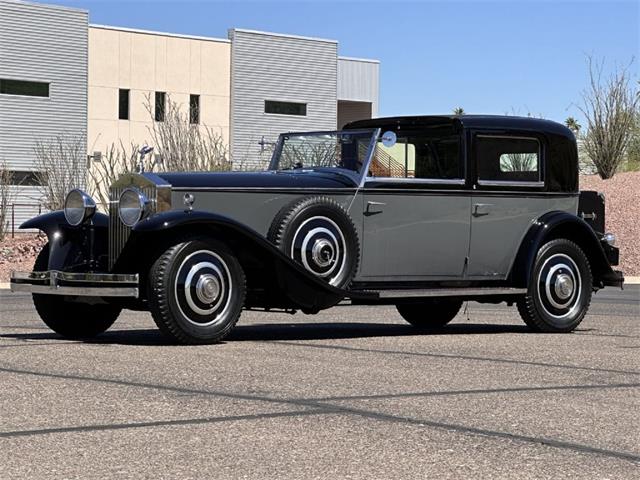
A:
422, 213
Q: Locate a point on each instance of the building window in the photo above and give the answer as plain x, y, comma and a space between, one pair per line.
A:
25, 178
285, 108
24, 87
123, 104
194, 109
161, 98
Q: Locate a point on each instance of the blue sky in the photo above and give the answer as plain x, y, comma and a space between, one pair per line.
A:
488, 57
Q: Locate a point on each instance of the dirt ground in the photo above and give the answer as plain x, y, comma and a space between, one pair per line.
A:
622, 194
19, 253
622, 203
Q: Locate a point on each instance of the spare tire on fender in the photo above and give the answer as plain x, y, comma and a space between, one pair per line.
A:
318, 233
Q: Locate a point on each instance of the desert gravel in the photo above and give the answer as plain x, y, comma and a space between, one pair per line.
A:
622, 213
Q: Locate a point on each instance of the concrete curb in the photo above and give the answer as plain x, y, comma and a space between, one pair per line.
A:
4, 286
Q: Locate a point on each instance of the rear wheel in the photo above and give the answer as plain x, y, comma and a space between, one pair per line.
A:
560, 288
71, 319
430, 313
196, 291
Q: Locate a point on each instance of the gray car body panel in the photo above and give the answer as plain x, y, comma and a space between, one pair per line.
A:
498, 233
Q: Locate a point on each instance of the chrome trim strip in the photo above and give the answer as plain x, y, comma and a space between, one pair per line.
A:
426, 181
345, 189
451, 292
517, 137
75, 291
49, 283
509, 183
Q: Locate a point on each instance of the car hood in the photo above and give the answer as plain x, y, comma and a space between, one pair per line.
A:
267, 179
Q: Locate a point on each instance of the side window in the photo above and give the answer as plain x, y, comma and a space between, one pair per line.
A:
419, 156
508, 159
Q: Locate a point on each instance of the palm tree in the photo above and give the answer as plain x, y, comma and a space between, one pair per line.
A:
458, 111
573, 125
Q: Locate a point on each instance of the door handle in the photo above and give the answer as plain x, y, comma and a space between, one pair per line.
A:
374, 207
481, 209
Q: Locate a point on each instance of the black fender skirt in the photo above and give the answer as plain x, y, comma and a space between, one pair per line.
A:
303, 289
559, 224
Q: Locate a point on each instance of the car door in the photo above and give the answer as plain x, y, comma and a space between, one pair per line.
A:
509, 194
416, 210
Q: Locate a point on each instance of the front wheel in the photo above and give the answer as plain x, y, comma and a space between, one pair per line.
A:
560, 288
432, 313
196, 291
71, 319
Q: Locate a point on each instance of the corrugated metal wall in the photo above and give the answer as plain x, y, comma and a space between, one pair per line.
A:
351, 111
47, 44
358, 81
278, 67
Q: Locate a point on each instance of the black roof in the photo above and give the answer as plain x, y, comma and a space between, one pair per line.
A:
561, 150
468, 121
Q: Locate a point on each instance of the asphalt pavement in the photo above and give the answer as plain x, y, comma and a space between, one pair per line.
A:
353, 392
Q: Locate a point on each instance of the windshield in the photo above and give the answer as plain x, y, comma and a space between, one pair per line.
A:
344, 149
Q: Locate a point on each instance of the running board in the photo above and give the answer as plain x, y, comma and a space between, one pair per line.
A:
450, 292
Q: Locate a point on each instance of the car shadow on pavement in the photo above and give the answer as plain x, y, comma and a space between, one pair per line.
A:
288, 331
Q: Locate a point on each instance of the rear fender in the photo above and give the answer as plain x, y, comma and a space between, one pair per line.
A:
551, 226
282, 281
72, 248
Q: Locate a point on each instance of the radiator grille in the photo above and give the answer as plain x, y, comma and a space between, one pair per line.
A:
118, 231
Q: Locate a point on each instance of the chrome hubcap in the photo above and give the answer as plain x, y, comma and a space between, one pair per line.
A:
319, 245
207, 288
203, 288
559, 286
563, 286
323, 253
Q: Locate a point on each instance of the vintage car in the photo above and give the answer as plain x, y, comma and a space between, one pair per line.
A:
422, 213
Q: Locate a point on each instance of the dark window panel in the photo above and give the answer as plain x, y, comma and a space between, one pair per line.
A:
194, 109
508, 159
123, 104
285, 108
420, 155
24, 87
161, 102
26, 178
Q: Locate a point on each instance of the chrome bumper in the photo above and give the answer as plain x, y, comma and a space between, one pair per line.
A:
54, 282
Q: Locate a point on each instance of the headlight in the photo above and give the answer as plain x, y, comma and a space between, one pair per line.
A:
78, 207
134, 206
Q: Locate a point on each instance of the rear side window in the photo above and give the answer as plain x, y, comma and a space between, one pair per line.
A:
507, 160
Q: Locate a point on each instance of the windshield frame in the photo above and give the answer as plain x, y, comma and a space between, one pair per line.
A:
361, 175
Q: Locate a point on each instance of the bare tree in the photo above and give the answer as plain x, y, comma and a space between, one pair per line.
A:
115, 161
61, 164
7, 195
609, 106
183, 146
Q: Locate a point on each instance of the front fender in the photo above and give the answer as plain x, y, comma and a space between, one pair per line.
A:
72, 248
559, 224
257, 255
